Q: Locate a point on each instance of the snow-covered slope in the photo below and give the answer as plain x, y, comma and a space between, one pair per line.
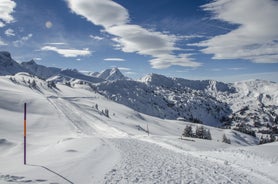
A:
72, 140
165, 98
177, 83
253, 104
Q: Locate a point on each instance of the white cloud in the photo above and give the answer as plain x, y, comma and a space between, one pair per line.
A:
130, 73
21, 41
236, 68
56, 43
9, 32
114, 59
168, 60
96, 37
124, 69
6, 9
192, 36
37, 59
105, 13
132, 38
256, 38
67, 52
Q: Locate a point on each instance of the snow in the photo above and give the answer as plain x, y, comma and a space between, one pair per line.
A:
72, 141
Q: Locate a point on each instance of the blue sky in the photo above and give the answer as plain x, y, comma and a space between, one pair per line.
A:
226, 40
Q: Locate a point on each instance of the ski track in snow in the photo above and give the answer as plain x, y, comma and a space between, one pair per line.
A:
143, 162
65, 108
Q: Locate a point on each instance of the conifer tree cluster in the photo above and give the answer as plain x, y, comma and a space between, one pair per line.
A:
267, 139
201, 132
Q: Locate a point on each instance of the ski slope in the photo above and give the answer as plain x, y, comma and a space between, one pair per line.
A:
72, 141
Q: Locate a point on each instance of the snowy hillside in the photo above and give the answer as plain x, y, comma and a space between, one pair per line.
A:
165, 102
76, 135
252, 104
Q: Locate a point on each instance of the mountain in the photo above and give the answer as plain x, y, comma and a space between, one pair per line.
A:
57, 74
255, 104
252, 104
168, 82
40, 70
111, 75
170, 98
247, 105
8, 66
69, 75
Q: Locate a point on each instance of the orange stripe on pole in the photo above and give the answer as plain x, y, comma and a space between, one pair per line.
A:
25, 128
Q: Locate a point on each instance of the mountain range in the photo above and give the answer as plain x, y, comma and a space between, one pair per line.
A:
252, 104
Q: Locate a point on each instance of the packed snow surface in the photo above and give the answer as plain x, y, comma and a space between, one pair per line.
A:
76, 135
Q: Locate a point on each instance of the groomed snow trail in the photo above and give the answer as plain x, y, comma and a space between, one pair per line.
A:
143, 162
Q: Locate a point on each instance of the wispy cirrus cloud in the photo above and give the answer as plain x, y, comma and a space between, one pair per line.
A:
67, 52
22, 40
98, 38
114, 59
131, 38
6, 10
124, 69
236, 68
255, 39
56, 43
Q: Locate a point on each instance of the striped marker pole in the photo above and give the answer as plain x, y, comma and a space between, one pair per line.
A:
25, 108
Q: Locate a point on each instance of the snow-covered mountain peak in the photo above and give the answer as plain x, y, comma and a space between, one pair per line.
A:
157, 80
180, 83
111, 74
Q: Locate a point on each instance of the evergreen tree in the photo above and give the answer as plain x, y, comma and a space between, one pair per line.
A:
272, 138
106, 113
225, 139
188, 131
33, 84
200, 132
208, 135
